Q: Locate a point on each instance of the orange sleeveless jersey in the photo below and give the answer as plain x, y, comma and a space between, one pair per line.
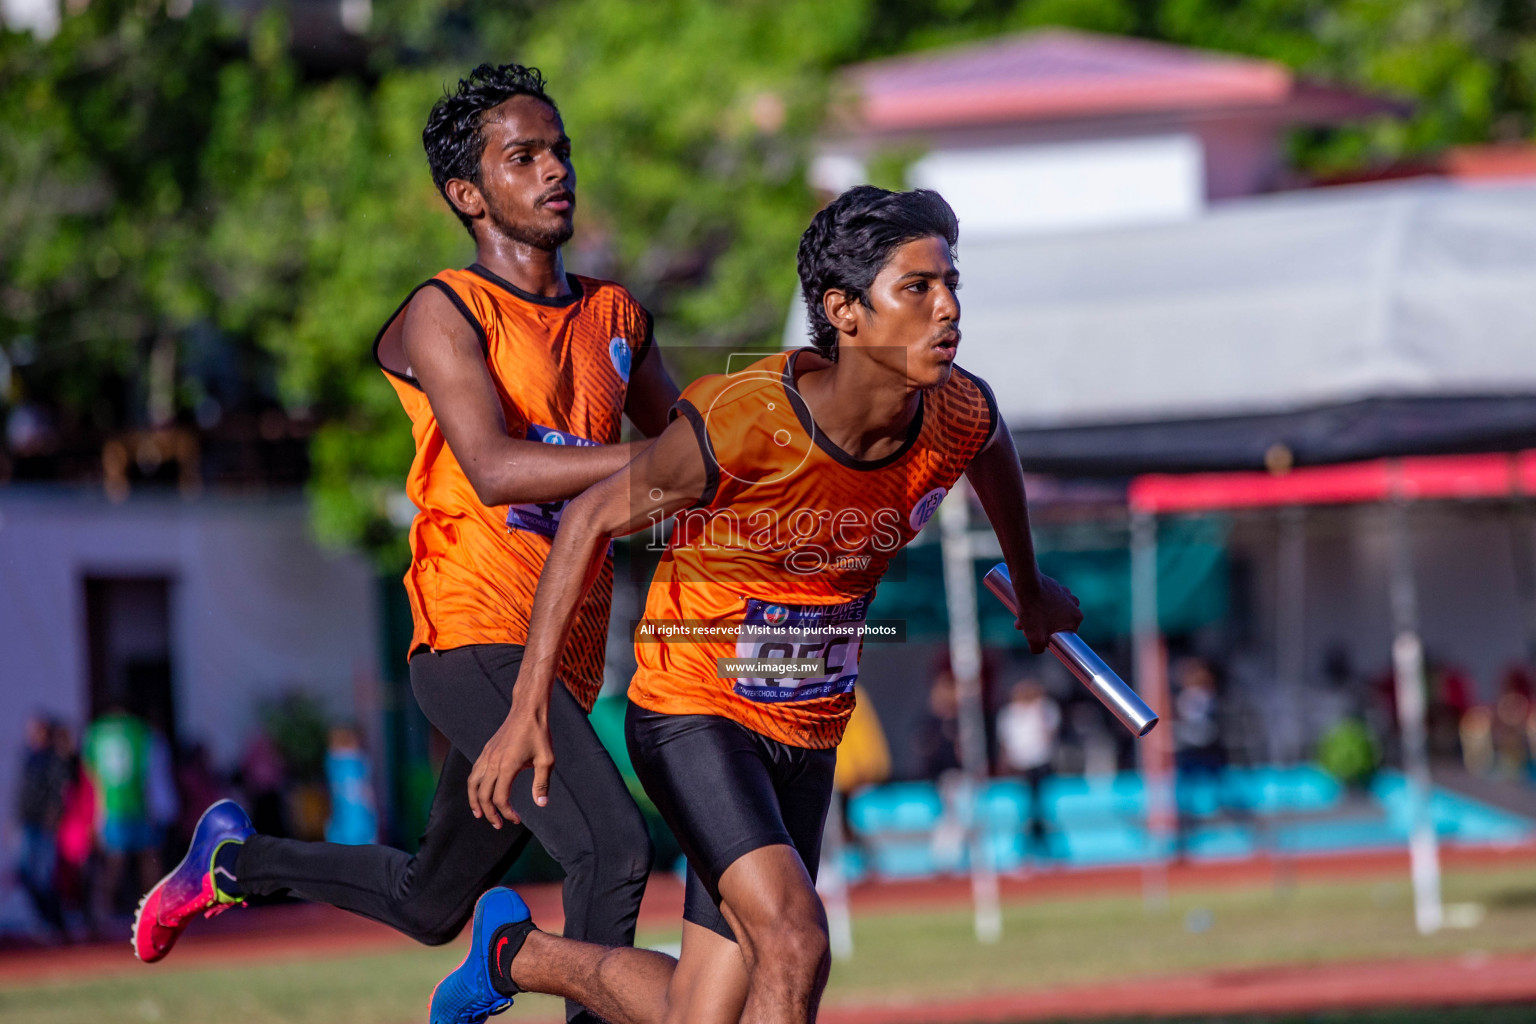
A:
782, 555
561, 368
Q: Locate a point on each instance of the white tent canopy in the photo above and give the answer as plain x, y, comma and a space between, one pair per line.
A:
1263, 306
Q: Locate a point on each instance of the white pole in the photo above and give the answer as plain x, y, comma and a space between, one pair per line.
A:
1155, 752
832, 883
1408, 669
1290, 657
1291, 626
965, 663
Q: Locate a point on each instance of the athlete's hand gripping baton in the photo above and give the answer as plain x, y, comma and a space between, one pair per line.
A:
1087, 666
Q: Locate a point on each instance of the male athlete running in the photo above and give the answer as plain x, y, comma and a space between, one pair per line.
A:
797, 479
515, 376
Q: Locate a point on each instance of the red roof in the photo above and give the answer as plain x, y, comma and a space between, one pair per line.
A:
1424, 478
1504, 160
1056, 74
1497, 162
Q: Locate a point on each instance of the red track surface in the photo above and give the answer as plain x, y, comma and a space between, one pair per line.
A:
274, 934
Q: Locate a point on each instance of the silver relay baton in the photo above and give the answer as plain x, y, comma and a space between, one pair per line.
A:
1087, 666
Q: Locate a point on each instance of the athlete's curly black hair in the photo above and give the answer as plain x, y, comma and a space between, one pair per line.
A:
452, 137
850, 241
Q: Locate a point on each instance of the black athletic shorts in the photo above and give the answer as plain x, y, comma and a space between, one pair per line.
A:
725, 791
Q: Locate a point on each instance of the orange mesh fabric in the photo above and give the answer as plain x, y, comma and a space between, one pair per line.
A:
793, 531
561, 368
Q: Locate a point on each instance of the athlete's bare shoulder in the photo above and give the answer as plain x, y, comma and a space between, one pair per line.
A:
435, 323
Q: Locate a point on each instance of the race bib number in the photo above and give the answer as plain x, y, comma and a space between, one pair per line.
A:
543, 517
774, 632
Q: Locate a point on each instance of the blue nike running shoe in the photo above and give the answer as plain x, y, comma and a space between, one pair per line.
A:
466, 995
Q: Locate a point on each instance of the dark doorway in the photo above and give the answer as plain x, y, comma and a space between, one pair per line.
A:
128, 627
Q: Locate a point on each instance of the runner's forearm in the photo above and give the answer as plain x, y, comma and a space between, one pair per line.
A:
517, 472
664, 479
574, 561
998, 480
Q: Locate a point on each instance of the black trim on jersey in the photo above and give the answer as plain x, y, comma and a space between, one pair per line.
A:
986, 392
701, 434
378, 339
538, 300
458, 301
825, 443
646, 343
453, 296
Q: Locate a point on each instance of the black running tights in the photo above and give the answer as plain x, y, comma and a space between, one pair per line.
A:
591, 825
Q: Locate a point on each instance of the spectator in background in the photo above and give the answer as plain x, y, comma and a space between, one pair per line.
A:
937, 745
197, 786
76, 834
45, 774
1451, 696
264, 777
1476, 735
1196, 731
1339, 697
1199, 754
116, 752
937, 742
1027, 730
1517, 679
162, 800
1101, 755
1512, 714
354, 819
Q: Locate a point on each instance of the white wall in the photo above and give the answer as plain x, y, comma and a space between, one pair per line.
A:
1056, 186
256, 608
1009, 191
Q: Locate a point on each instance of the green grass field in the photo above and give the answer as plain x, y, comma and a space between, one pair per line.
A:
923, 955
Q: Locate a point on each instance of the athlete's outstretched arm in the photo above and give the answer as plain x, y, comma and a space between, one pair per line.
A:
446, 359
1045, 606
667, 477
651, 394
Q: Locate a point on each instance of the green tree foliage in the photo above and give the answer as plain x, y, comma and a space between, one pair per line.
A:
1468, 67
102, 201
692, 169
327, 220
161, 176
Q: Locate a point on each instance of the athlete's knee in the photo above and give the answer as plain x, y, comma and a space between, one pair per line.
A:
787, 932
628, 852
793, 945
620, 854
440, 934
432, 926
